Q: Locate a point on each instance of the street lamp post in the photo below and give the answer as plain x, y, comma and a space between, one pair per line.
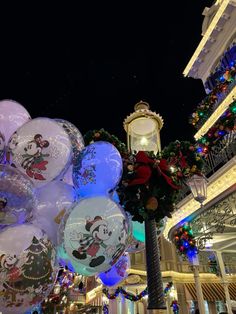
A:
198, 187
143, 134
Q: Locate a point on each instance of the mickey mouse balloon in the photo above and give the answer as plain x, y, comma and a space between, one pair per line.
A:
41, 149
95, 234
98, 169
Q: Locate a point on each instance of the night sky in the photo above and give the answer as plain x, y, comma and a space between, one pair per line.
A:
91, 65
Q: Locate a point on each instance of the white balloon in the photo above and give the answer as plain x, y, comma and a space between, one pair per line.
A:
27, 268
54, 199
98, 169
95, 233
17, 196
41, 149
12, 116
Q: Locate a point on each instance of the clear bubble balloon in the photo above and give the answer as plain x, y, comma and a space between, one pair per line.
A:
98, 169
54, 199
117, 273
12, 116
41, 149
95, 233
27, 268
17, 196
75, 136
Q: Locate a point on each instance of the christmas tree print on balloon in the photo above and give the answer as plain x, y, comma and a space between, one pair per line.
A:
26, 279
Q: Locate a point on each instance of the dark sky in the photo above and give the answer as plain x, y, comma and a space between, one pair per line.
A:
91, 65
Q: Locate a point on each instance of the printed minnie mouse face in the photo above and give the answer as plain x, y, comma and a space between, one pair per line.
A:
102, 233
8, 261
32, 148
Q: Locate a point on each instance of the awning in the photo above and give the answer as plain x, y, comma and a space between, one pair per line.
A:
212, 291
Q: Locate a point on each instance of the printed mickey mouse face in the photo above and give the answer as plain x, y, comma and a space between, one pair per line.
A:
32, 148
94, 234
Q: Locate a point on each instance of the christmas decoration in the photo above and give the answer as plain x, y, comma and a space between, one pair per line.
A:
224, 125
206, 107
185, 242
126, 294
102, 135
130, 296
105, 309
150, 184
175, 306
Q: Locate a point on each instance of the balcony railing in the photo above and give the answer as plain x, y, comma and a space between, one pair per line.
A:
219, 155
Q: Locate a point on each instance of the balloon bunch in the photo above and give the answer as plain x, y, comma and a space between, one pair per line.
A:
57, 205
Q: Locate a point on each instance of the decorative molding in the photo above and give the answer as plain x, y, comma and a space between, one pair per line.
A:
218, 183
208, 35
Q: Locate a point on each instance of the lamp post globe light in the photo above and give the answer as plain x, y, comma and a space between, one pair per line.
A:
143, 134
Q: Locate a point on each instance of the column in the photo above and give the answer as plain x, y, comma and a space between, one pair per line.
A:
224, 281
212, 307
183, 306
200, 299
124, 305
113, 304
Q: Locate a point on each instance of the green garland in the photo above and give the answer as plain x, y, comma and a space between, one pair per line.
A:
102, 135
177, 162
205, 108
131, 297
225, 124
126, 294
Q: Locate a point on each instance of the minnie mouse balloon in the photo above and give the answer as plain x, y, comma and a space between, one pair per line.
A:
13, 115
2, 146
95, 233
41, 149
98, 169
117, 273
54, 199
17, 196
27, 268
75, 136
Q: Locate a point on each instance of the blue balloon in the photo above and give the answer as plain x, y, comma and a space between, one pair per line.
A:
98, 169
138, 231
117, 273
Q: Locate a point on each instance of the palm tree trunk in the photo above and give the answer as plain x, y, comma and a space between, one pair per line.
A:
154, 279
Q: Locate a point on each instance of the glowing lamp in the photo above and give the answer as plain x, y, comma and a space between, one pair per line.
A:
143, 129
